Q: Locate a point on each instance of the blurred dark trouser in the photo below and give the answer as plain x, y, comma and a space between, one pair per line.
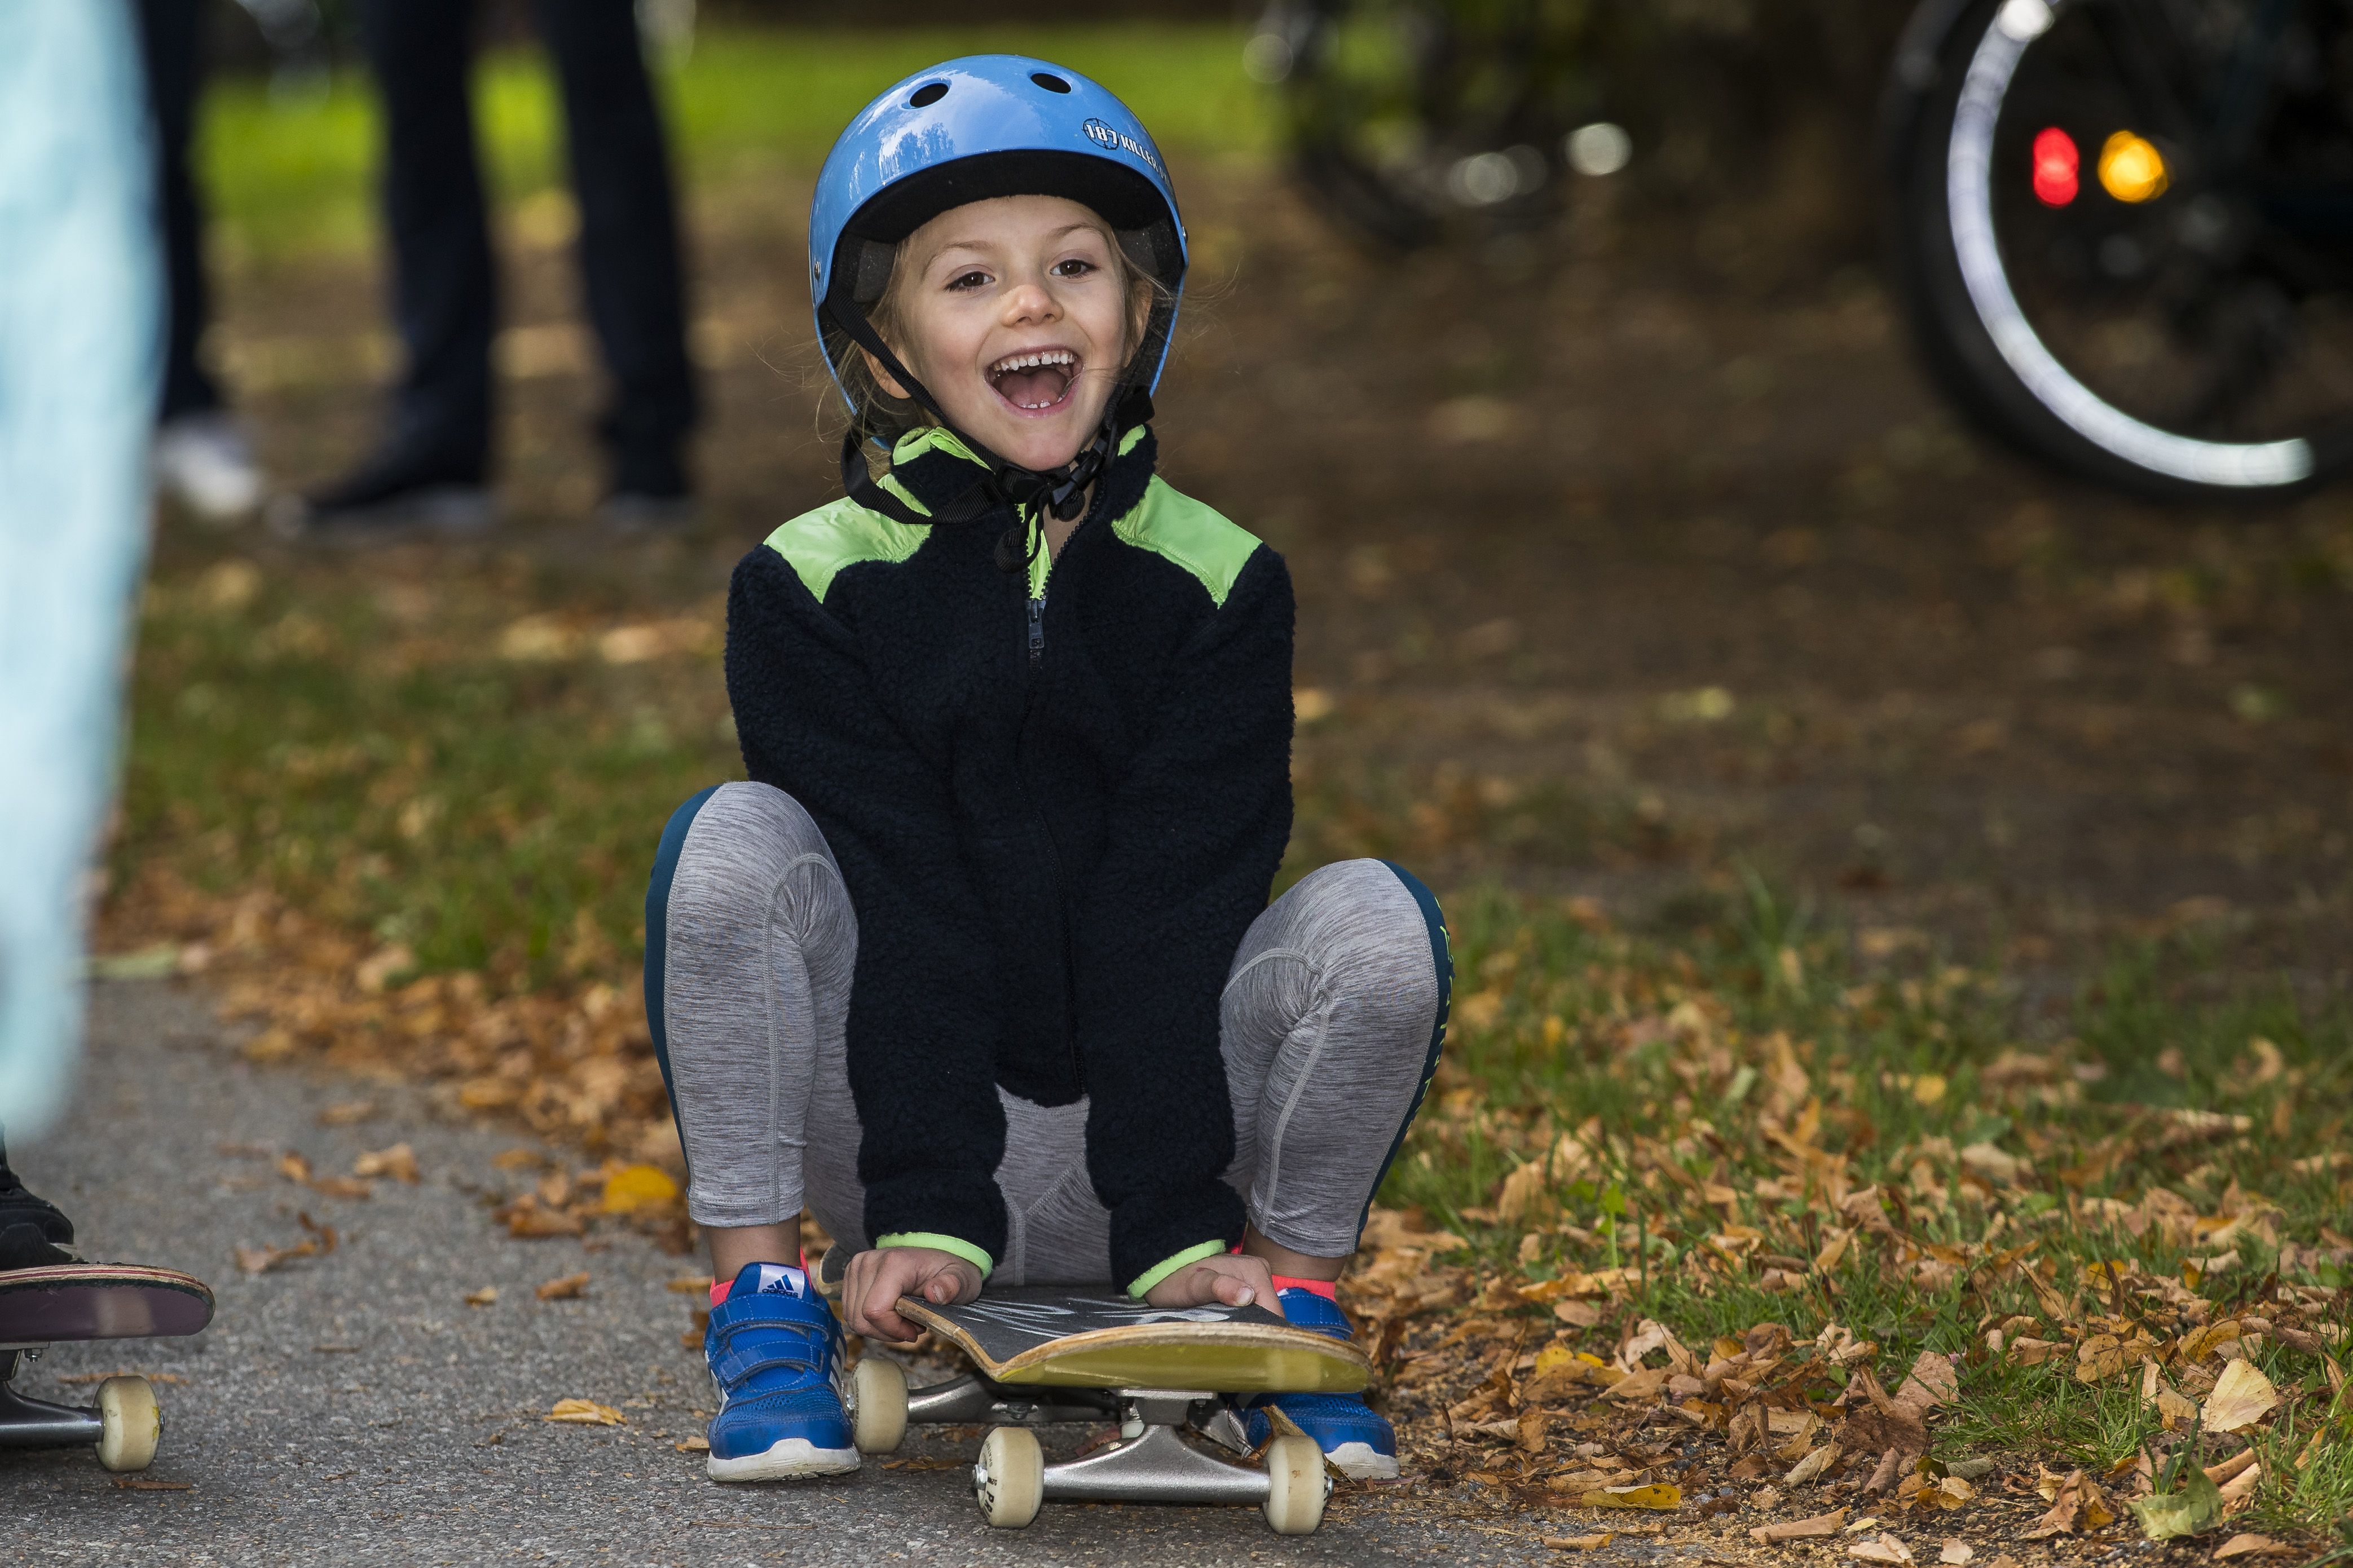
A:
446, 287
170, 33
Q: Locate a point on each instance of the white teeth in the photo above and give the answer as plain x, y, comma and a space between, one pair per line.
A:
1011, 363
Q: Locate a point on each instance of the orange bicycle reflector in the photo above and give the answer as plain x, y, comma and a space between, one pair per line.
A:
2132, 169
2057, 167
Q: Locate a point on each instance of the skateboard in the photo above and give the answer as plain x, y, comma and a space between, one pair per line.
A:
42, 1306
1050, 1355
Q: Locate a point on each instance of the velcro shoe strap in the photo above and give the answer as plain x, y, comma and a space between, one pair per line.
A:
778, 1346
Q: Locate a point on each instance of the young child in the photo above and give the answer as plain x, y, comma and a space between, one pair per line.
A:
979, 966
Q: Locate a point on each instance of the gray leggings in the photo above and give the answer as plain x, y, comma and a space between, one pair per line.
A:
1331, 1020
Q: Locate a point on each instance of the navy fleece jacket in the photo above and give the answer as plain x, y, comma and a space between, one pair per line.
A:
1058, 800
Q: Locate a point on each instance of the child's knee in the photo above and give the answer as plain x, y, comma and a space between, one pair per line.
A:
1383, 936
727, 849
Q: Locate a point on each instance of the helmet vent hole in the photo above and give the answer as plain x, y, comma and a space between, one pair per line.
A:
1051, 83
930, 93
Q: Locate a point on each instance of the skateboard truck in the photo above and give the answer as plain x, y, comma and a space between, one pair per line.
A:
28, 1422
1150, 1461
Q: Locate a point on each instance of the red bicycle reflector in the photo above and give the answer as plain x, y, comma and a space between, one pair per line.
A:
2058, 167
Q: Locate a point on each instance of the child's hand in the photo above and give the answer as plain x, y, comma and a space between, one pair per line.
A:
1235, 1278
869, 1296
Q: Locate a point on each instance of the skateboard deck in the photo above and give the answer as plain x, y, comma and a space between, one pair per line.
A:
98, 1301
1058, 1336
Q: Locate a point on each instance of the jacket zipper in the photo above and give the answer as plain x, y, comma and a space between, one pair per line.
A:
1042, 564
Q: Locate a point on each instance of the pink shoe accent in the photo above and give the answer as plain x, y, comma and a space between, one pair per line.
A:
1324, 1288
719, 1288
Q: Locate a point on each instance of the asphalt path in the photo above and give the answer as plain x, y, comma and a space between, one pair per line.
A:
351, 1407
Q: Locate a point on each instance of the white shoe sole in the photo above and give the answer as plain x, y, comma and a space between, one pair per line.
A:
790, 1458
1362, 1462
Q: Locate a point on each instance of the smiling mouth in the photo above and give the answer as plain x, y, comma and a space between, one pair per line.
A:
1034, 381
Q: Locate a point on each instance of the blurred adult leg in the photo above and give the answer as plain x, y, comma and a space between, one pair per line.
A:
169, 34
201, 454
629, 240
435, 457
80, 295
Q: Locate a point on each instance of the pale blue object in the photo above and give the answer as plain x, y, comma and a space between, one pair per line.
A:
80, 309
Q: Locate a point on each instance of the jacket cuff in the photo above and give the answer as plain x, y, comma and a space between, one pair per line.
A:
951, 1245
939, 1206
1150, 1228
1163, 1270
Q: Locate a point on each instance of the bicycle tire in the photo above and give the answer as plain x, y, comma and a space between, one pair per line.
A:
1953, 285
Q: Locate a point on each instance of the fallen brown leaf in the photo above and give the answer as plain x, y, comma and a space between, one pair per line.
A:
1658, 1496
692, 1445
1932, 1382
2252, 1545
488, 1296
399, 1162
635, 1188
1594, 1542
142, 1484
1820, 1526
346, 1112
585, 1412
2240, 1491
1812, 1466
294, 1167
262, 1260
567, 1288
1640, 1387
2242, 1396
2077, 1504
525, 1219
1881, 1549
1953, 1554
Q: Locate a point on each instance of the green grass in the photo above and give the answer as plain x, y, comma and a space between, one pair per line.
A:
292, 174
415, 783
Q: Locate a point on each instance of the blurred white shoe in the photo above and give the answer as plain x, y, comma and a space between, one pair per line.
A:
204, 462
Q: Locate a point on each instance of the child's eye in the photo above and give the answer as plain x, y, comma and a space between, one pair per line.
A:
1075, 267
969, 280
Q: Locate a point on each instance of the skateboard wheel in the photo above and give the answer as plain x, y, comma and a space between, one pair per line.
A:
130, 1425
1010, 1478
878, 1404
1296, 1485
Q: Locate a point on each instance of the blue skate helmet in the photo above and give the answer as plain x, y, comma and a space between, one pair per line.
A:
965, 131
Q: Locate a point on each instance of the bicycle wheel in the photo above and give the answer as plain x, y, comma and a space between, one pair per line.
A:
2123, 235
1410, 118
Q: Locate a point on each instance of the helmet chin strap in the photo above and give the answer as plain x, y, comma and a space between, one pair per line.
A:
1032, 493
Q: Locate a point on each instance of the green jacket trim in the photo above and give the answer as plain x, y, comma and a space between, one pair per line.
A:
1194, 536
1161, 1270
938, 1243
818, 544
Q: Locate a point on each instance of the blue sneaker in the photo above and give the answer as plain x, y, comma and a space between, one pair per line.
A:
775, 1353
1359, 1443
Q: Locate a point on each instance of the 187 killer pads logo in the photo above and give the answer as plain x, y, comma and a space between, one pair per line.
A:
1109, 136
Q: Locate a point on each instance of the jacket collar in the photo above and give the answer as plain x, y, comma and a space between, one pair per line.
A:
937, 475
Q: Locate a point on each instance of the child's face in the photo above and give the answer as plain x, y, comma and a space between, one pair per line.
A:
1015, 314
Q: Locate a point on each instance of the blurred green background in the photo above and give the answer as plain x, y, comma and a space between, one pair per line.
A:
289, 165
